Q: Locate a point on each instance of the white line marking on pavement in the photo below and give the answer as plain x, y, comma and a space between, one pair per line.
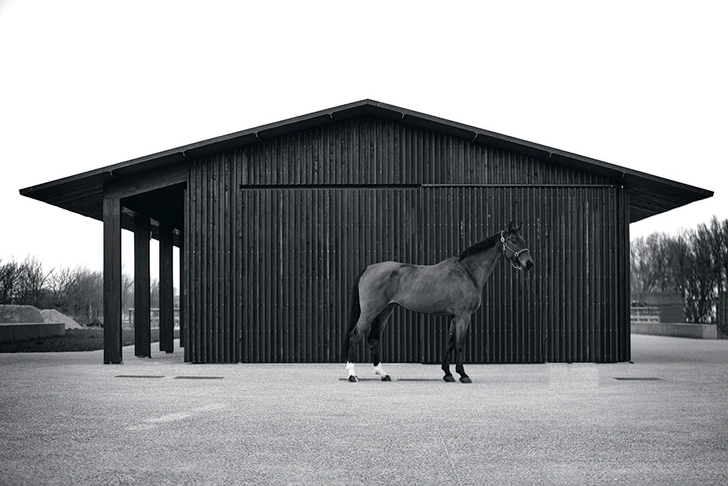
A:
154, 422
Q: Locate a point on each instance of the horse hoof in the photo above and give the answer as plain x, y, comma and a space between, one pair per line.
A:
465, 379
449, 378
353, 379
386, 378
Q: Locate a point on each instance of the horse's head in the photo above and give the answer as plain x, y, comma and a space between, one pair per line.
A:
514, 247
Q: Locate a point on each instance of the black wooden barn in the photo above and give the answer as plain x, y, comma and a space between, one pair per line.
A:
274, 224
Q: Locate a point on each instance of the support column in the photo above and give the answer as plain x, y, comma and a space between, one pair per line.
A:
112, 280
182, 289
166, 290
142, 322
185, 269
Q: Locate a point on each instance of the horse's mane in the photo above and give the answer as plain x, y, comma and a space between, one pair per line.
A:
480, 246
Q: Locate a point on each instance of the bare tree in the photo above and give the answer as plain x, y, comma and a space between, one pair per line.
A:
9, 273
693, 263
60, 284
31, 287
84, 296
127, 294
154, 293
677, 262
656, 264
77, 292
719, 249
700, 283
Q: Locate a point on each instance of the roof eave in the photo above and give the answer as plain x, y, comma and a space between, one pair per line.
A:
633, 180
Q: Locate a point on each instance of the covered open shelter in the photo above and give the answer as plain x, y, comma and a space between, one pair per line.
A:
274, 224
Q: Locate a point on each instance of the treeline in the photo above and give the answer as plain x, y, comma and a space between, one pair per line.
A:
76, 292
693, 263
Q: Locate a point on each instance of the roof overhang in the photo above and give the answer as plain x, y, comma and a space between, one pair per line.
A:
83, 193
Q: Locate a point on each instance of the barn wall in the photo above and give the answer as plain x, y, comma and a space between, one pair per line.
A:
278, 231
369, 150
300, 268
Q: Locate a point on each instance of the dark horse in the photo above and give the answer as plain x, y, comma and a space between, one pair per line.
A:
453, 287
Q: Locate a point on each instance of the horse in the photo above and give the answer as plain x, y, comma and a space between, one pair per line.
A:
453, 287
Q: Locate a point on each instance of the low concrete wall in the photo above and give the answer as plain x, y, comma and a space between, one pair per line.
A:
22, 331
677, 329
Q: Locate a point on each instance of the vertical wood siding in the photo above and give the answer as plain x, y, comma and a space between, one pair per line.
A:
568, 308
278, 231
300, 268
370, 150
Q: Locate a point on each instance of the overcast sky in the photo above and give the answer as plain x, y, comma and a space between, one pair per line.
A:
85, 84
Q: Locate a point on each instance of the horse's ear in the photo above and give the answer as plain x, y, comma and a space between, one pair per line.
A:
520, 225
511, 226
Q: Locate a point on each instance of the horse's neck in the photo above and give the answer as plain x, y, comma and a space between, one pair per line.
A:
482, 264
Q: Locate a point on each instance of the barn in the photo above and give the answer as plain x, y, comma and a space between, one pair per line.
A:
274, 223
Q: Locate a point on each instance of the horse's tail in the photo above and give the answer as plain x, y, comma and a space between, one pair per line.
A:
354, 314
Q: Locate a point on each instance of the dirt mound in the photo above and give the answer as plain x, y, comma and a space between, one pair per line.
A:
52, 315
20, 313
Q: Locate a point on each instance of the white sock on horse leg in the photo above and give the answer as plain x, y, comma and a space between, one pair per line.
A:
380, 371
350, 368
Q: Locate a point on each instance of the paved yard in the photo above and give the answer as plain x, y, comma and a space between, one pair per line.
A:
68, 419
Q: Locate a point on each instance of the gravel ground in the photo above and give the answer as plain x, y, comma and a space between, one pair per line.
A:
65, 418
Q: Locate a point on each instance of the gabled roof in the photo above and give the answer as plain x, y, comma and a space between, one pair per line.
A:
649, 194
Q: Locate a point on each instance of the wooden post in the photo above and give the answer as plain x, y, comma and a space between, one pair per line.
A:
182, 289
112, 280
166, 290
142, 323
185, 268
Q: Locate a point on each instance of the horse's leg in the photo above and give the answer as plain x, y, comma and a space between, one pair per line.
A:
364, 327
354, 337
461, 330
371, 295
358, 324
373, 339
450, 347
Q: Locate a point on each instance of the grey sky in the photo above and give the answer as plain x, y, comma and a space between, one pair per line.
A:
86, 84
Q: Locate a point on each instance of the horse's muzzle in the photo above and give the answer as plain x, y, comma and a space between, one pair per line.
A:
525, 262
